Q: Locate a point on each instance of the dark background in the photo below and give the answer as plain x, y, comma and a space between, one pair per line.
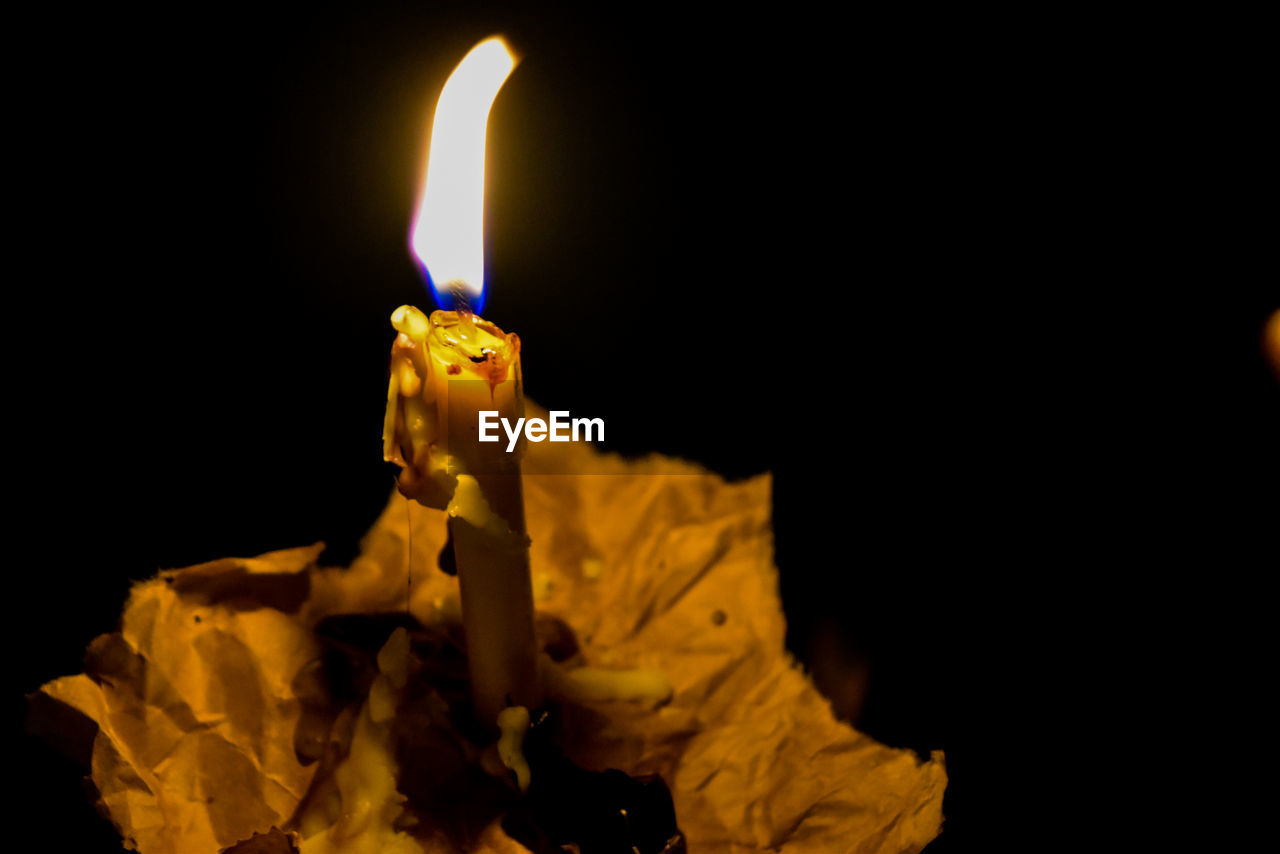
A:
835, 251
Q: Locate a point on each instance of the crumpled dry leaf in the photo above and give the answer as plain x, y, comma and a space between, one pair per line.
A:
654, 563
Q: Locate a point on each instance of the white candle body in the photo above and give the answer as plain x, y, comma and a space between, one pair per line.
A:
445, 371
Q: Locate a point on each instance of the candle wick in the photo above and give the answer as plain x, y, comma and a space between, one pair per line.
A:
462, 305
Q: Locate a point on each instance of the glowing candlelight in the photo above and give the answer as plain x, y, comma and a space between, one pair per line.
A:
448, 233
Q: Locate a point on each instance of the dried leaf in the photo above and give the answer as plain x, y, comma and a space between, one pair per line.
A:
652, 564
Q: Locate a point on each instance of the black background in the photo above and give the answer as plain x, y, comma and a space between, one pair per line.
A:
831, 250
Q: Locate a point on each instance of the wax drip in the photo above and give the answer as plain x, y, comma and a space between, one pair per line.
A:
408, 560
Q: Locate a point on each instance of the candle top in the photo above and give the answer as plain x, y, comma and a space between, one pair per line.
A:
466, 346
448, 355
473, 342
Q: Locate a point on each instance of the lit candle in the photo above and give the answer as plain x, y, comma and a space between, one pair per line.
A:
446, 370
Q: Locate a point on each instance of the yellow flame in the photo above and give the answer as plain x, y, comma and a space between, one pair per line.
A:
448, 235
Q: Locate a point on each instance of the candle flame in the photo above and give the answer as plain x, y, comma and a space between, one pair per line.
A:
448, 233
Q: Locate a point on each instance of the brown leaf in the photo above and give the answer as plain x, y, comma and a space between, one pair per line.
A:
636, 564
